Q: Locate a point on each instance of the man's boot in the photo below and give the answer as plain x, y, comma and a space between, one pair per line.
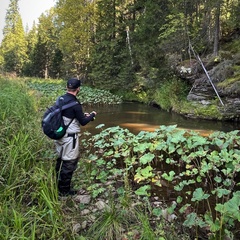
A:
65, 190
65, 176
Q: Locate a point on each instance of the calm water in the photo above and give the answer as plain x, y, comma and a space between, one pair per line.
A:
137, 117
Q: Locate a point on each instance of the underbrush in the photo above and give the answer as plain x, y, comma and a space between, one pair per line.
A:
196, 179
171, 94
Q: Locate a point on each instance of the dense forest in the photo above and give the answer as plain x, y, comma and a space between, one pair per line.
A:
168, 184
113, 44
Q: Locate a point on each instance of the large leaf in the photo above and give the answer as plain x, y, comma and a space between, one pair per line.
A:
147, 158
169, 177
199, 195
143, 174
143, 191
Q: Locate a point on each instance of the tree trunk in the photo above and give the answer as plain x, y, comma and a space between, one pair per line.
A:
217, 29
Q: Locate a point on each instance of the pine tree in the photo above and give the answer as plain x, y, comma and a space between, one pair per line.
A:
46, 57
31, 38
14, 45
76, 35
111, 61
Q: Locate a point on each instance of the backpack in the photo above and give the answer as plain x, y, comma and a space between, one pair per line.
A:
52, 123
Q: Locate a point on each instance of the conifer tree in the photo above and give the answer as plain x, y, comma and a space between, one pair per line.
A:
111, 61
76, 35
46, 57
14, 45
31, 38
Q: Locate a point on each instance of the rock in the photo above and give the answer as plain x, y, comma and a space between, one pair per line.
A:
85, 212
100, 205
204, 102
92, 218
204, 93
156, 204
84, 224
76, 228
167, 216
85, 199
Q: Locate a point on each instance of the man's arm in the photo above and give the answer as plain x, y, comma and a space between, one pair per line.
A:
84, 118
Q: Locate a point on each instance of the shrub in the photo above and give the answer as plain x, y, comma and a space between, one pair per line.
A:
170, 94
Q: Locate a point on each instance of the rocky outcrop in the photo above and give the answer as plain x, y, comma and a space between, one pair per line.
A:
223, 92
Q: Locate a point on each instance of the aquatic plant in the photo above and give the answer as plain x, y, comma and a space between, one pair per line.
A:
201, 172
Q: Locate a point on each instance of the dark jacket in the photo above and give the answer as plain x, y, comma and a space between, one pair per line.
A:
76, 113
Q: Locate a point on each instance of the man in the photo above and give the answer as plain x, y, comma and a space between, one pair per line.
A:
68, 147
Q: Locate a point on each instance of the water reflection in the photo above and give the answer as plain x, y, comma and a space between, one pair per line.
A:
137, 117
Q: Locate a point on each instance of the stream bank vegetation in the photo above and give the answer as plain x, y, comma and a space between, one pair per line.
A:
162, 185
124, 46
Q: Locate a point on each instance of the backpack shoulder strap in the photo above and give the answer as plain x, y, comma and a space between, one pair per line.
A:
62, 106
71, 104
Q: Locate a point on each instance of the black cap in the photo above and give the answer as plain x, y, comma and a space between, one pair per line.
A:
73, 83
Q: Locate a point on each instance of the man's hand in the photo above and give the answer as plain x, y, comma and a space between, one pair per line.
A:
88, 114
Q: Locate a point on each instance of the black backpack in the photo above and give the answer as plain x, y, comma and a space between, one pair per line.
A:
52, 123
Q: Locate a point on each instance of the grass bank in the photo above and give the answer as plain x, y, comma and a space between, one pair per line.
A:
29, 208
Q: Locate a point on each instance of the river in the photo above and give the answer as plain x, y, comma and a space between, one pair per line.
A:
140, 117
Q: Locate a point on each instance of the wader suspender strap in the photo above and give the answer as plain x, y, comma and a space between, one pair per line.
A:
63, 107
73, 135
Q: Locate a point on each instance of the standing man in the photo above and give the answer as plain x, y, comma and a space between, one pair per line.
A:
68, 147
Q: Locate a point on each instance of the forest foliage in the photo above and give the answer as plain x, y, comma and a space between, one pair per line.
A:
115, 44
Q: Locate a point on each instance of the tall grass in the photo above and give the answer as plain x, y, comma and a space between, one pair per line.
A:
29, 208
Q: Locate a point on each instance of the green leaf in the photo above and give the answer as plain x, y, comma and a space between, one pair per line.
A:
141, 147
157, 212
178, 136
199, 179
180, 186
230, 208
184, 208
199, 195
143, 174
147, 158
179, 199
194, 220
171, 147
161, 146
108, 153
218, 179
191, 220
100, 162
142, 191
214, 224
100, 126
227, 182
169, 177
221, 192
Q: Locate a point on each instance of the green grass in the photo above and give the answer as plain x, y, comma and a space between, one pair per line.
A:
29, 208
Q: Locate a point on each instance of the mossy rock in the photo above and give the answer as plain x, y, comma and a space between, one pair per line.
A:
196, 109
